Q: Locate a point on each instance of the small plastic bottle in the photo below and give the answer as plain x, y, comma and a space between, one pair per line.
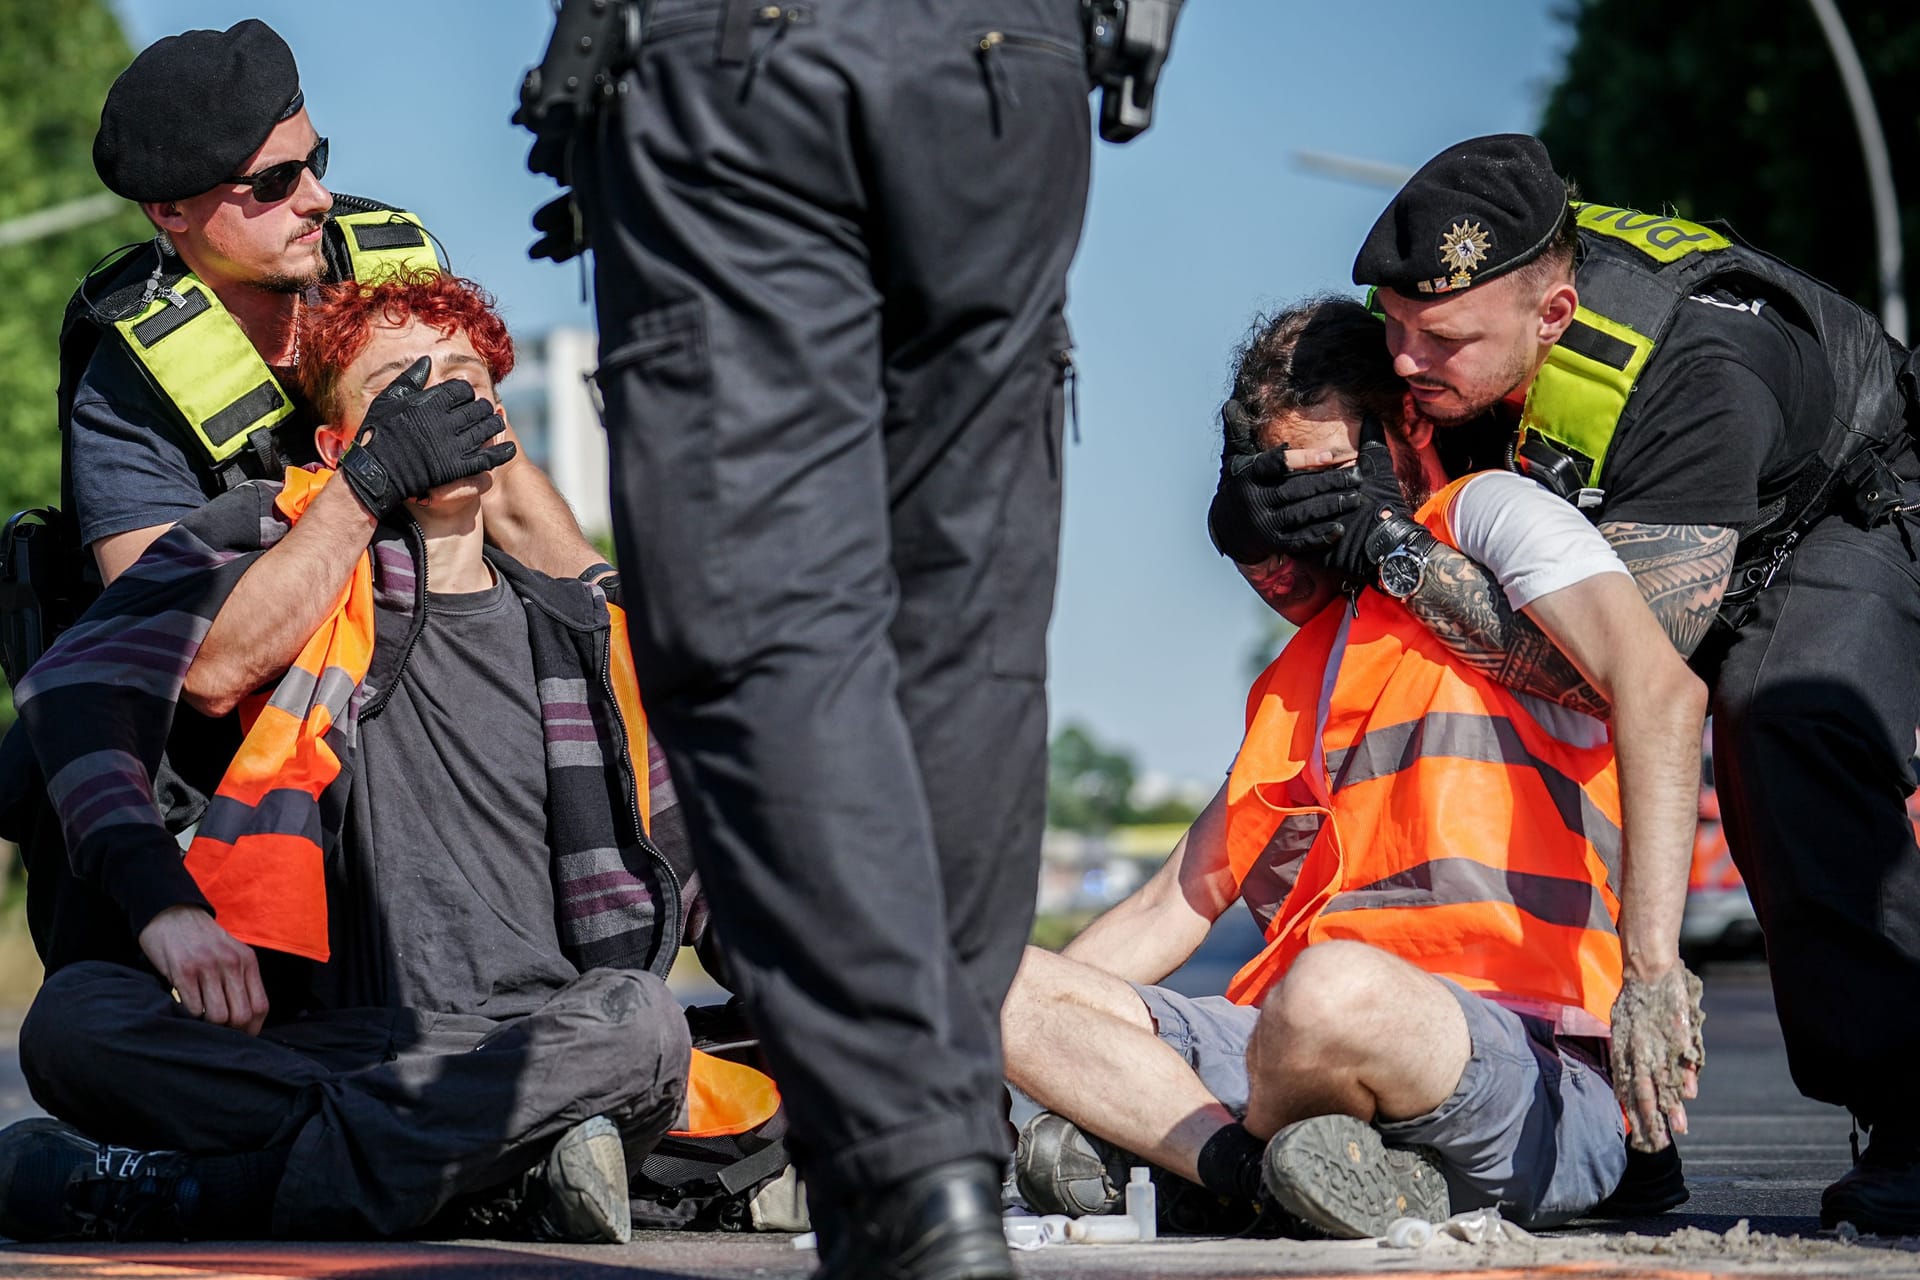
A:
1142, 1202
1102, 1228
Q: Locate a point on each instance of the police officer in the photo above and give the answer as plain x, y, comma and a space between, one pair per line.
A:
831, 242
174, 356
1741, 434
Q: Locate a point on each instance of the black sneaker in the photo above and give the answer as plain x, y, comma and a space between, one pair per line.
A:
1653, 1183
1060, 1168
58, 1184
1336, 1174
579, 1193
1880, 1195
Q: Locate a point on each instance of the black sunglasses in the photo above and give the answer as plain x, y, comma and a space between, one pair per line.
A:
277, 181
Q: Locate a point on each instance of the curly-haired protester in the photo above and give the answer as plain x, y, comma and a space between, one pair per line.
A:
435, 832
1445, 871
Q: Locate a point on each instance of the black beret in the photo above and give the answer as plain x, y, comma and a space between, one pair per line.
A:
1478, 209
190, 110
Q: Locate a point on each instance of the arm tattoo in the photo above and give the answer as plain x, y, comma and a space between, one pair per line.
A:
1468, 613
1681, 569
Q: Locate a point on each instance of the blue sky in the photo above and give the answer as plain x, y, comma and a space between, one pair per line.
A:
1191, 230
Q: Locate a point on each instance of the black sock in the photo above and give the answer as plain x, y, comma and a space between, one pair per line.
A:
235, 1195
1229, 1163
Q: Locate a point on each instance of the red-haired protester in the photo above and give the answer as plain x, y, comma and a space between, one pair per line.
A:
436, 831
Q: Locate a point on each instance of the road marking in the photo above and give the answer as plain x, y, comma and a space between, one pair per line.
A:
70, 1267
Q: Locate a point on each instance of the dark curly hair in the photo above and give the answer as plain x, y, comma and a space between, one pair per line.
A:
1302, 354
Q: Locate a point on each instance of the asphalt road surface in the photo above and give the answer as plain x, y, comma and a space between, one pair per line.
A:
1757, 1151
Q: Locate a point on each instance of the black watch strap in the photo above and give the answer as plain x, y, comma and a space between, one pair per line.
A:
1398, 531
369, 480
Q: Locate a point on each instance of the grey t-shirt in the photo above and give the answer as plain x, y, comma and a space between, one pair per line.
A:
447, 822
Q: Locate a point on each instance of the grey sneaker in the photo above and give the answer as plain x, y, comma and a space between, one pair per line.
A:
580, 1191
1336, 1174
1060, 1169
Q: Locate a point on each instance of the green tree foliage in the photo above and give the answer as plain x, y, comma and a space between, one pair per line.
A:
1087, 784
1727, 109
1090, 787
56, 62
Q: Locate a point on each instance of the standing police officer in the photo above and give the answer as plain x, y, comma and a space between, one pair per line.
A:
1742, 435
831, 241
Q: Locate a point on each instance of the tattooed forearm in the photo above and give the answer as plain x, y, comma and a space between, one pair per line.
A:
1468, 613
1681, 569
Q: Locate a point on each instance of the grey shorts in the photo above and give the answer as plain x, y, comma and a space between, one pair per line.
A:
1532, 1126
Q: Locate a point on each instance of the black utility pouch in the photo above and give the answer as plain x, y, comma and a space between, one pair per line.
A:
40, 594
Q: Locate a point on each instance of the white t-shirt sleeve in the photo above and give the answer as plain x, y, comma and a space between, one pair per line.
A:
1530, 541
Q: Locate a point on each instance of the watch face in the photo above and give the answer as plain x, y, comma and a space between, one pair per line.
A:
1401, 573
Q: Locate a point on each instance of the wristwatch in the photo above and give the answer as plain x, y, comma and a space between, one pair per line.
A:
1402, 547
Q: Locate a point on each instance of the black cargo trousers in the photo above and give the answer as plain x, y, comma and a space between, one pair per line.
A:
388, 1115
1815, 710
830, 265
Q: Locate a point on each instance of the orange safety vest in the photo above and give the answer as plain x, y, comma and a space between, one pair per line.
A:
1389, 795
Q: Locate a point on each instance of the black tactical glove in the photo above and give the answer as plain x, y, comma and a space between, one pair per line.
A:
1262, 506
414, 440
562, 237
1378, 500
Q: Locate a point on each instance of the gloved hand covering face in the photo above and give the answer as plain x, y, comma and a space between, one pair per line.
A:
1263, 507
1378, 496
416, 438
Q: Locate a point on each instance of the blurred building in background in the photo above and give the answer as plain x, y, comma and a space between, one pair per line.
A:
550, 401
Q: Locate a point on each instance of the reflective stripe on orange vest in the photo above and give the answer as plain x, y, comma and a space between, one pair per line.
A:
1388, 795
266, 879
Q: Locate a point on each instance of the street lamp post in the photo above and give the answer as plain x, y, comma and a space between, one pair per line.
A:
1873, 143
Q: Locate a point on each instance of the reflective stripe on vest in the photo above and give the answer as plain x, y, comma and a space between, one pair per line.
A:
213, 376
1449, 827
386, 242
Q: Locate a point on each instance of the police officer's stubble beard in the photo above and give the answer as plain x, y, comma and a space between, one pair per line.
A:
299, 282
1512, 377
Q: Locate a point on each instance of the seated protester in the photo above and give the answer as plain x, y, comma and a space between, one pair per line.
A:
436, 829
1442, 868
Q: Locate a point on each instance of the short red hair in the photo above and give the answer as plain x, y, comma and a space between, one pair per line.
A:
333, 331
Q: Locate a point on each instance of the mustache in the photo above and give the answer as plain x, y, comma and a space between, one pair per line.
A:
308, 226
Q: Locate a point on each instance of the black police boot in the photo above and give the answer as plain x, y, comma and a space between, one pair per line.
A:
1880, 1195
58, 1184
1061, 1169
1334, 1173
1653, 1183
941, 1224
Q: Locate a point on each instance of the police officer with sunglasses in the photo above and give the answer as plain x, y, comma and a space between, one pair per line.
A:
174, 355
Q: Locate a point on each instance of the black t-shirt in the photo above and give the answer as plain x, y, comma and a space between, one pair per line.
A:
130, 469
445, 852
1734, 402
